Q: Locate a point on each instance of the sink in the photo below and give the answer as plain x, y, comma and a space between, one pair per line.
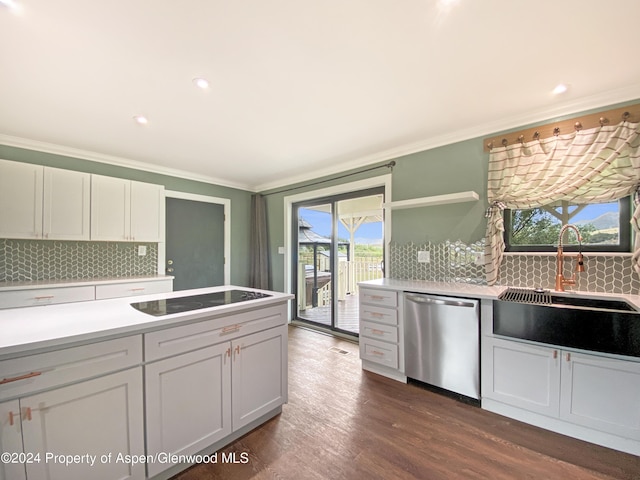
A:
568, 320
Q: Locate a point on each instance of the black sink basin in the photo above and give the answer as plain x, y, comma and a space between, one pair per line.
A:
596, 324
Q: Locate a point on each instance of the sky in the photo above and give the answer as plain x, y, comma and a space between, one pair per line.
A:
321, 221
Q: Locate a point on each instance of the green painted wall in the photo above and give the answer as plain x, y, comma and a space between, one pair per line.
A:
240, 199
457, 167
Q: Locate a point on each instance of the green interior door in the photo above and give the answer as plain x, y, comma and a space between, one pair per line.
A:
195, 243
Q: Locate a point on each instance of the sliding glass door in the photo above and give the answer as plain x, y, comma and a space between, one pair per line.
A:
339, 243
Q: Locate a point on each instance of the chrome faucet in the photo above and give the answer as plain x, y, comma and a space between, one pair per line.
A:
560, 280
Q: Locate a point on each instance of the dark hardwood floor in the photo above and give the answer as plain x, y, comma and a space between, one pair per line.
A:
344, 423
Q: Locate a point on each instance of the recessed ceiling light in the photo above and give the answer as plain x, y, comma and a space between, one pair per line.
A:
202, 83
141, 119
12, 5
560, 88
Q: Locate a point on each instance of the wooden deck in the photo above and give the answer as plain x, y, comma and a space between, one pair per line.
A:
347, 314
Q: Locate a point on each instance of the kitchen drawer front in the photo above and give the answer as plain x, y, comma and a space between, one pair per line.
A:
379, 314
379, 352
23, 375
385, 298
117, 290
177, 340
45, 296
386, 333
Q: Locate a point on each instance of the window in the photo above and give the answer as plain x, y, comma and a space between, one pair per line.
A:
604, 227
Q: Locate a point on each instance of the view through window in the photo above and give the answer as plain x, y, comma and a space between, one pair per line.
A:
603, 226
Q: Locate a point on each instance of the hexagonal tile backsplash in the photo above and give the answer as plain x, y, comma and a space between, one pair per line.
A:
29, 260
459, 262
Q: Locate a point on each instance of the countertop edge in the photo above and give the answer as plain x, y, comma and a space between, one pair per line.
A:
37, 284
113, 318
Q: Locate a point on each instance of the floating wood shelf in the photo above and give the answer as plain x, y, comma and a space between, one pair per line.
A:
459, 197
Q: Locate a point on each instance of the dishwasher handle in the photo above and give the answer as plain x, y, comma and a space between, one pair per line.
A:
438, 301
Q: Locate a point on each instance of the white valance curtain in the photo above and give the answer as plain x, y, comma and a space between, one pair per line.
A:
597, 165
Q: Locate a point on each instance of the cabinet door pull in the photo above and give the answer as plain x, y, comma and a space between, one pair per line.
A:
27, 413
11, 418
227, 354
21, 377
568, 357
237, 349
230, 329
555, 354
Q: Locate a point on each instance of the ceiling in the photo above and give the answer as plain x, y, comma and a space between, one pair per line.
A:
299, 88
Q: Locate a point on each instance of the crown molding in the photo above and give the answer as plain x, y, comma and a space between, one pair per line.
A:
571, 107
56, 149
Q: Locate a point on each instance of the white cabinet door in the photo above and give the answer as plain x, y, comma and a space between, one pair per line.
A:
522, 375
601, 393
147, 201
20, 200
259, 380
188, 402
96, 417
67, 197
11, 441
110, 209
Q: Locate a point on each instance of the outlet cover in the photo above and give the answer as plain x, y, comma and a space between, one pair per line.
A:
142, 250
424, 257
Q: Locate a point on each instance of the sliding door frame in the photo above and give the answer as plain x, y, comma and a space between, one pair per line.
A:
289, 201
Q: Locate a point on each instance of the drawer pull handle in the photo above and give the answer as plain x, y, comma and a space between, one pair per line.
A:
21, 377
376, 297
377, 314
138, 289
230, 329
375, 331
376, 352
44, 297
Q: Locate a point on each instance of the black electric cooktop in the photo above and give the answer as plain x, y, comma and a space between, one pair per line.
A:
168, 306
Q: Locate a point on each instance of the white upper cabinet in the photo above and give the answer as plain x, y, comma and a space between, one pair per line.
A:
66, 212
20, 200
147, 202
124, 210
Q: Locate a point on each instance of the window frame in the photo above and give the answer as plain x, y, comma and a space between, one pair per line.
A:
624, 246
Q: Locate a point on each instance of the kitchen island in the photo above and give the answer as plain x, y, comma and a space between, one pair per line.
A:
101, 389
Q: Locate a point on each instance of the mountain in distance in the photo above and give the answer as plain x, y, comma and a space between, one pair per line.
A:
603, 222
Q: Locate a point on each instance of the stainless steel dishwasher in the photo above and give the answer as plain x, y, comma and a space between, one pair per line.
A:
442, 342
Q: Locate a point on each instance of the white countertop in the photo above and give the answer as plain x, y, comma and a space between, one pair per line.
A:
474, 291
33, 284
27, 329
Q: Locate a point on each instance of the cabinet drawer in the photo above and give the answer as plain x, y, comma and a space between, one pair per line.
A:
379, 352
45, 296
131, 289
379, 314
20, 376
387, 333
379, 297
176, 340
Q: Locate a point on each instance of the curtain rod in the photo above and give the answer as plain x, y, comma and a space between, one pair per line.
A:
630, 113
390, 165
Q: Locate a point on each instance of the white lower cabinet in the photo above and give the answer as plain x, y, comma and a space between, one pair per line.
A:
601, 393
188, 402
196, 399
597, 392
11, 441
259, 375
522, 375
67, 433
